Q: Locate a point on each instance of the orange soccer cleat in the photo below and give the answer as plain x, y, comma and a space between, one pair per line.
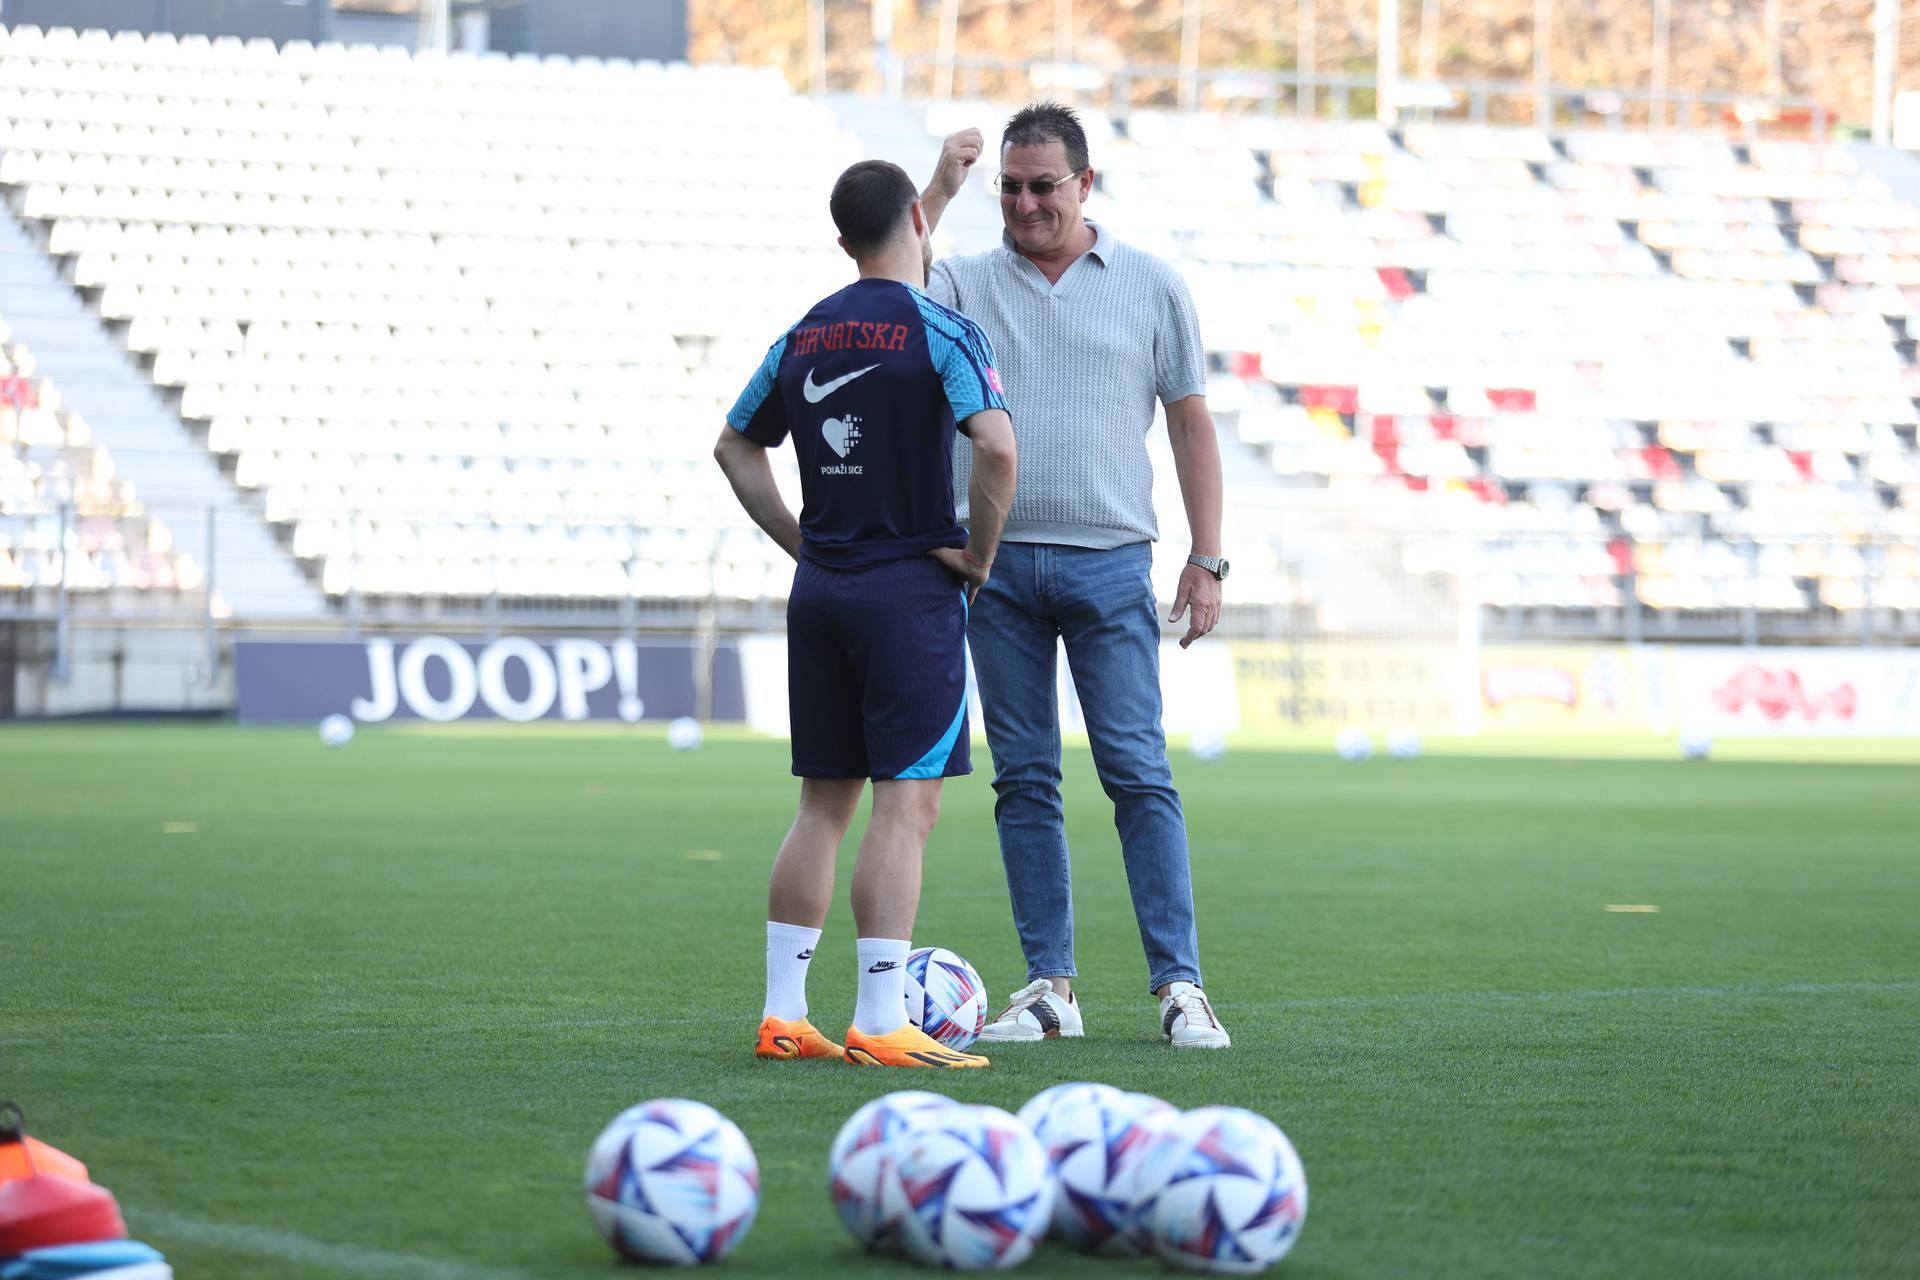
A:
907, 1047
782, 1039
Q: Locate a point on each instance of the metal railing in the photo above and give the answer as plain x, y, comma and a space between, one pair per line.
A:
1123, 89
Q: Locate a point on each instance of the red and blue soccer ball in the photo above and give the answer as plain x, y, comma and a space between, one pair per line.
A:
863, 1154
1221, 1190
672, 1181
972, 1191
945, 997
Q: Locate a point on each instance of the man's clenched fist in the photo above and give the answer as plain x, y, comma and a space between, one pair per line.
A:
958, 151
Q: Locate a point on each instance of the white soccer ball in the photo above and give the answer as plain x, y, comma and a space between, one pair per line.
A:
1222, 1191
1208, 744
971, 1192
683, 733
672, 1181
1096, 1142
1696, 746
945, 997
1403, 744
336, 730
1353, 744
1035, 1113
863, 1153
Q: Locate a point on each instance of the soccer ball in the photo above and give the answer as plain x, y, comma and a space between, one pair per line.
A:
1096, 1141
1403, 744
1036, 1112
1696, 746
1222, 1191
971, 1192
1208, 745
336, 730
945, 997
672, 1181
1353, 743
683, 733
863, 1153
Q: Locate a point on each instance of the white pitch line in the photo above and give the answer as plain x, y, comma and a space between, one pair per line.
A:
287, 1246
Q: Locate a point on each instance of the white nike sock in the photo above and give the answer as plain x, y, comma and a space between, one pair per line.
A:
789, 952
883, 985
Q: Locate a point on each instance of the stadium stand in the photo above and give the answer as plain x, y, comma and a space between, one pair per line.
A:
457, 327
1678, 358
47, 461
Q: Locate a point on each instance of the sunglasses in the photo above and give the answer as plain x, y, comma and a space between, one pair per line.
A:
1009, 189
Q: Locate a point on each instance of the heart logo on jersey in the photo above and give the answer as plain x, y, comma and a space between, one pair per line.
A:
841, 434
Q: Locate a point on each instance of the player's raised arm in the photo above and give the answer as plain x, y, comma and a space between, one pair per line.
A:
958, 151
751, 475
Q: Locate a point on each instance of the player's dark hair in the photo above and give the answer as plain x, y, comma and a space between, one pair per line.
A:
868, 203
1044, 122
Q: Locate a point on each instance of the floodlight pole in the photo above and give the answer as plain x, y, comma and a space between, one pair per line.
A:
1190, 56
1886, 38
1542, 63
1386, 74
1662, 55
949, 40
436, 22
1306, 63
1770, 33
816, 47
883, 59
1429, 40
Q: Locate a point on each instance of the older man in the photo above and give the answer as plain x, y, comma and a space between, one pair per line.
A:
1089, 333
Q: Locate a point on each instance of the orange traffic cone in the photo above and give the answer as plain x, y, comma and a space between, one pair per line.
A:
41, 1207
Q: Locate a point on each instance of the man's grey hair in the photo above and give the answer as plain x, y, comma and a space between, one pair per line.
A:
1044, 122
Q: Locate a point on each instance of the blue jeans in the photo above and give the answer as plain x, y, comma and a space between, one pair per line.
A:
1101, 604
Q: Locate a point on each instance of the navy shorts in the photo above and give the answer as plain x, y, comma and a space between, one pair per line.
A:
877, 671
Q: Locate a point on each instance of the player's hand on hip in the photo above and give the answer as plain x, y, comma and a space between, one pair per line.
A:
1198, 596
964, 567
958, 151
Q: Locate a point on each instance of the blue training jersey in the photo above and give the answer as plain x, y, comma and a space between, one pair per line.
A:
872, 385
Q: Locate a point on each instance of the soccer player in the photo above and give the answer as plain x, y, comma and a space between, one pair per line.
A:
872, 385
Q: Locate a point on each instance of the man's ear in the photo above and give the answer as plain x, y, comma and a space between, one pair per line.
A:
842, 242
919, 219
1086, 184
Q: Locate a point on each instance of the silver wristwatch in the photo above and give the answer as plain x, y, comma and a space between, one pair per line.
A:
1214, 565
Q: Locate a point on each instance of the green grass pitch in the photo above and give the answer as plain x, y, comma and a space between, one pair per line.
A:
315, 1013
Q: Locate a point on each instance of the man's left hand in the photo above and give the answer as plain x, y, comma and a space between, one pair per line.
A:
1199, 592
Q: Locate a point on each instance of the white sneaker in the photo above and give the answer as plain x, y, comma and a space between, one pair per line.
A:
1037, 1012
1187, 1019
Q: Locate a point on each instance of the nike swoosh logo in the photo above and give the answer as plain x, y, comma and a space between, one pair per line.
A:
816, 392
883, 966
804, 955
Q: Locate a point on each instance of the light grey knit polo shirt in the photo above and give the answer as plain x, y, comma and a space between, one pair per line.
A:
1082, 362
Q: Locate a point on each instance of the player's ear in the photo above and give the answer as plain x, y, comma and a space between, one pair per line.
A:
919, 219
845, 248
